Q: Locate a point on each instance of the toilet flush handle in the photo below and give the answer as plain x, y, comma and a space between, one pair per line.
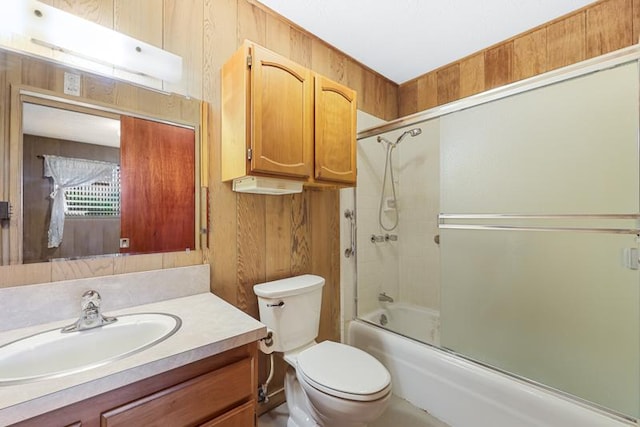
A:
280, 304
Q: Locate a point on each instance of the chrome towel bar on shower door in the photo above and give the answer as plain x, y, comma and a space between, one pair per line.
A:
591, 223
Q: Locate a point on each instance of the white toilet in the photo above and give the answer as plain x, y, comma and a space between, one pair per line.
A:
327, 384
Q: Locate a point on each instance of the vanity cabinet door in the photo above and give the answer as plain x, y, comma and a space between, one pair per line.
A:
189, 403
335, 132
282, 102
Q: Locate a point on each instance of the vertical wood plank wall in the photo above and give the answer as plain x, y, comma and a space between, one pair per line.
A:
253, 238
596, 29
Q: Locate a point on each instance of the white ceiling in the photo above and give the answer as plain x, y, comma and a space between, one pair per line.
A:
402, 39
69, 125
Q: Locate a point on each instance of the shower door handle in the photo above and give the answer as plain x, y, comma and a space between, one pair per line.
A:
351, 216
630, 258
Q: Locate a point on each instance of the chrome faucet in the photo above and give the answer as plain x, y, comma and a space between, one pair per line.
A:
383, 297
90, 316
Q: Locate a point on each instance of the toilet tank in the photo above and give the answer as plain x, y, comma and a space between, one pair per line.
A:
291, 308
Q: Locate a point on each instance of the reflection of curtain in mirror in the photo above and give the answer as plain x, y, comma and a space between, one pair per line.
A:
69, 172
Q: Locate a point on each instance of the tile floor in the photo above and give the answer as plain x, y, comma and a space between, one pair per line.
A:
399, 413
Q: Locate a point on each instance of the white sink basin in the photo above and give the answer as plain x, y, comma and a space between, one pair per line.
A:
54, 354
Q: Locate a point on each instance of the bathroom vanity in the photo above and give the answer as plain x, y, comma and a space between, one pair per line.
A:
204, 374
216, 391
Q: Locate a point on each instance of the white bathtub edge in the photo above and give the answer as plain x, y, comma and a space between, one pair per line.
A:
462, 393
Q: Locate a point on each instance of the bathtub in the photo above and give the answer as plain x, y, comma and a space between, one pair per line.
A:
420, 323
462, 393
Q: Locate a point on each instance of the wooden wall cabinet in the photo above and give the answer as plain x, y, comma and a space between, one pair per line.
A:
335, 132
216, 392
280, 119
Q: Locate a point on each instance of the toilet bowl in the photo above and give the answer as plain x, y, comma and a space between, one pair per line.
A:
327, 384
344, 385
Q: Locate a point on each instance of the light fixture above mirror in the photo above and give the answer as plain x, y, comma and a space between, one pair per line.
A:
35, 28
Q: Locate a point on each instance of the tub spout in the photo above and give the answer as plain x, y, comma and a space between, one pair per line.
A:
383, 297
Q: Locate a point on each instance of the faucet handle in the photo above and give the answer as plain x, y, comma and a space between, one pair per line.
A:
90, 316
90, 299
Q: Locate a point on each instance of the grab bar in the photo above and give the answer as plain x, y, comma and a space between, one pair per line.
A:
351, 216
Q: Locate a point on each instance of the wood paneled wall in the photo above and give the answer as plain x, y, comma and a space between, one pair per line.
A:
596, 29
195, 30
253, 238
259, 238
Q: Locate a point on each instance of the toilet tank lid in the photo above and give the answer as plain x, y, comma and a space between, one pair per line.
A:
289, 286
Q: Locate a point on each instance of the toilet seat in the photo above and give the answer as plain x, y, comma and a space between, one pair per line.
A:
343, 371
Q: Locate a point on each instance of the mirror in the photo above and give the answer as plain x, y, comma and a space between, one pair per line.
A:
149, 140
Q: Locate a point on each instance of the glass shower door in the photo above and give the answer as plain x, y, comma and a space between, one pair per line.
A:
539, 236
559, 308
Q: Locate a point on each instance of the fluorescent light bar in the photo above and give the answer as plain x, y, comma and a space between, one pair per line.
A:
59, 30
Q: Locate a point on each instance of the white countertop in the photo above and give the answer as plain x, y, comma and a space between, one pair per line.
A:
209, 326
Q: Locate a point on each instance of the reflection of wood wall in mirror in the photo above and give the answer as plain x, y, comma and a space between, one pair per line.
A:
158, 186
82, 236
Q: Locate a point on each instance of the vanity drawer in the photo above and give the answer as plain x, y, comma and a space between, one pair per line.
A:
242, 416
189, 403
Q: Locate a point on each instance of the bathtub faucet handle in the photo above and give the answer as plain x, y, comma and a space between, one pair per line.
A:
377, 238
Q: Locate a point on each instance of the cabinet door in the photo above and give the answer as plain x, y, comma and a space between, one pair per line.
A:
335, 132
282, 102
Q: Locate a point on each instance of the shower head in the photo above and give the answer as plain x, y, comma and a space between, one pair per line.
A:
412, 132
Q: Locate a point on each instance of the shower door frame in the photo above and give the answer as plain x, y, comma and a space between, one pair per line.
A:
586, 67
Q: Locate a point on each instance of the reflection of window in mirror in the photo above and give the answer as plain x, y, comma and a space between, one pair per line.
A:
98, 199
156, 184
